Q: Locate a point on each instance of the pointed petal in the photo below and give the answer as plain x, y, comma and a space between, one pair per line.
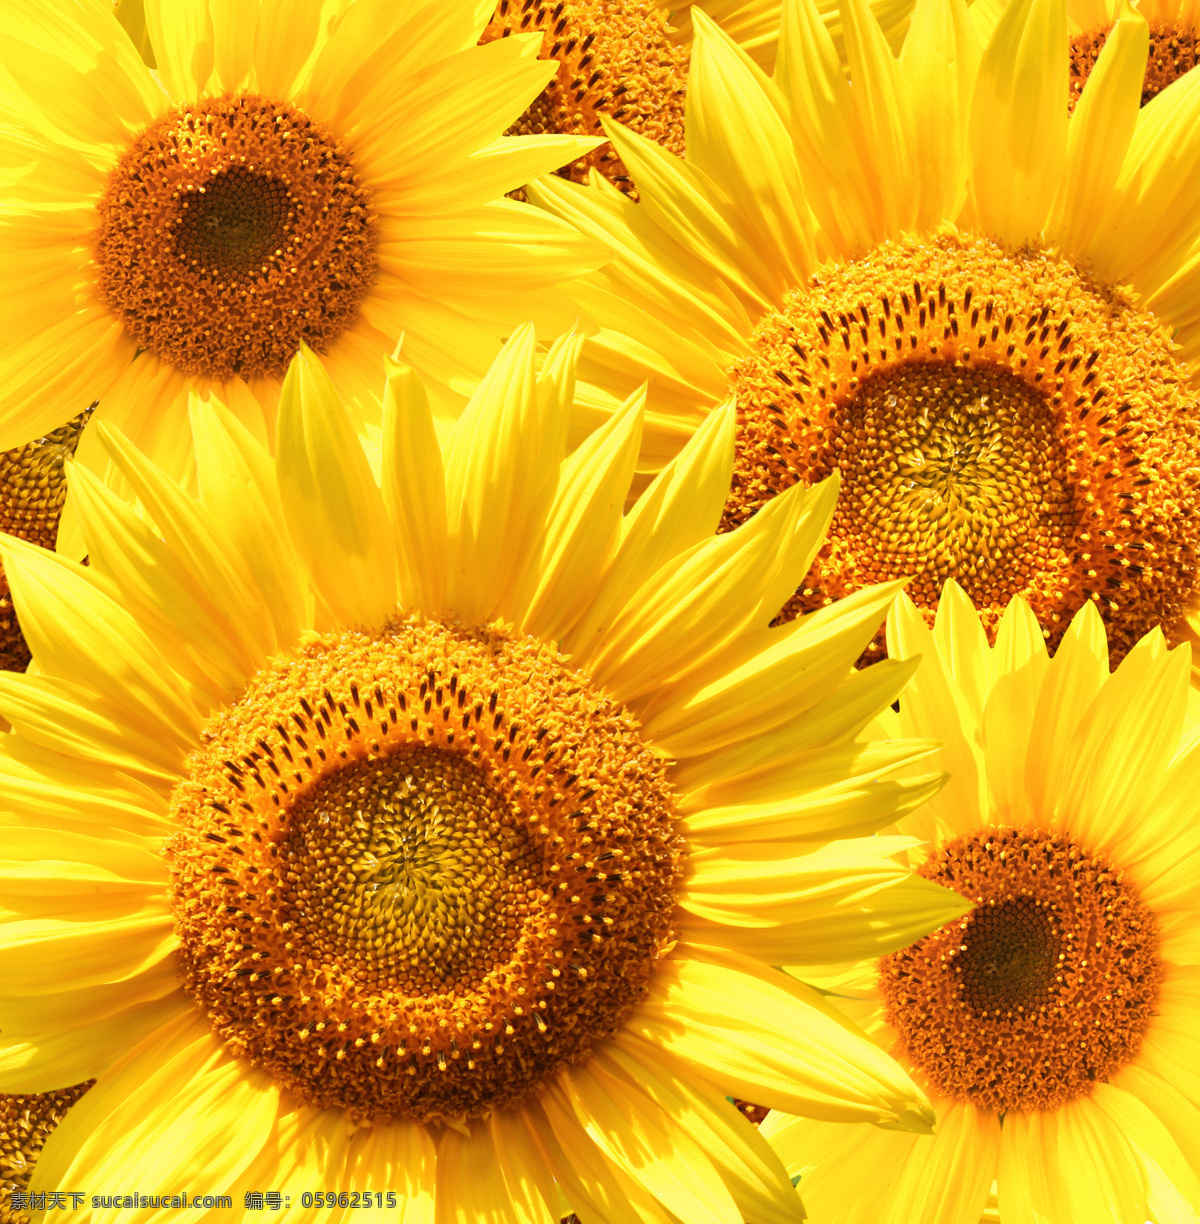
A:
334, 509
1019, 121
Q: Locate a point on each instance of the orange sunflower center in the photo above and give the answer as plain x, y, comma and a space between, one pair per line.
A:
1044, 988
417, 874
231, 230
1173, 51
996, 417
33, 488
616, 60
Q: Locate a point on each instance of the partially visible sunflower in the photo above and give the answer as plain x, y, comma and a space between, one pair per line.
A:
486, 809
978, 309
1054, 1026
288, 174
33, 487
1174, 38
616, 59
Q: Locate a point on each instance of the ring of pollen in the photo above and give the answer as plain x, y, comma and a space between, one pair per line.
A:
229, 231
418, 873
1046, 987
33, 488
997, 417
1173, 51
615, 59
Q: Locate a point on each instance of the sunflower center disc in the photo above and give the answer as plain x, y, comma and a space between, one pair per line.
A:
231, 230
996, 417
1173, 51
417, 874
1044, 988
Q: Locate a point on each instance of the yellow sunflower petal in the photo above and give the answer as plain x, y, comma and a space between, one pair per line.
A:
940, 105
629, 1130
339, 522
755, 161
1173, 1188
584, 525
845, 901
1100, 131
746, 1164
501, 471
763, 1037
398, 1157
680, 509
1019, 121
472, 1186
75, 629
414, 488
668, 631
944, 1177
182, 37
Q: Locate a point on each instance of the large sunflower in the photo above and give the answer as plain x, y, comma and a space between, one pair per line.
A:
436, 837
1054, 1026
916, 279
285, 175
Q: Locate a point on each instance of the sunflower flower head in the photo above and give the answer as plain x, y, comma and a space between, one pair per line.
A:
976, 306
436, 833
1053, 1024
289, 175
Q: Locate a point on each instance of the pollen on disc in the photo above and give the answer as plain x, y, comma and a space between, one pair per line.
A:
229, 231
616, 59
418, 873
996, 417
1045, 988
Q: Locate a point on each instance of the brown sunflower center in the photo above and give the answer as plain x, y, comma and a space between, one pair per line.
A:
33, 488
1044, 988
417, 874
1173, 51
231, 230
616, 60
26, 1122
996, 417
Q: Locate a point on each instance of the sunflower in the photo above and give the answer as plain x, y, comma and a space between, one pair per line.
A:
284, 175
1054, 1025
615, 58
917, 282
754, 24
435, 837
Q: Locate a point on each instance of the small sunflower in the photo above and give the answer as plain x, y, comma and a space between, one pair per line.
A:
616, 58
436, 837
26, 1121
1053, 1026
977, 308
285, 175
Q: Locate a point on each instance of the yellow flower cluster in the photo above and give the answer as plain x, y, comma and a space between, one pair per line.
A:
599, 602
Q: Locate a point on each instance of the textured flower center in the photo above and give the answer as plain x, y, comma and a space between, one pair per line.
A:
1173, 51
417, 874
1044, 988
26, 1122
996, 417
615, 59
231, 230
32, 491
